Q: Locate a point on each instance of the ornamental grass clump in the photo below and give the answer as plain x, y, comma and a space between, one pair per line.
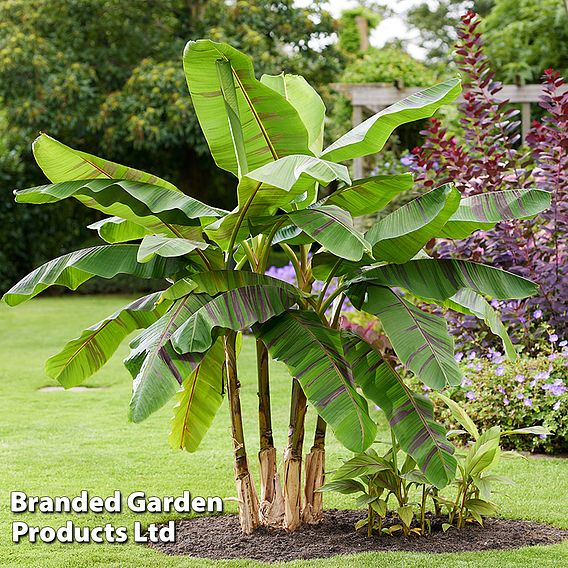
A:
268, 133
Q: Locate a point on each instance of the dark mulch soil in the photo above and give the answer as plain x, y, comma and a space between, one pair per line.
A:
221, 538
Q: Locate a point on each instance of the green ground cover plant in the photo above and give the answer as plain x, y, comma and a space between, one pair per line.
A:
517, 394
269, 134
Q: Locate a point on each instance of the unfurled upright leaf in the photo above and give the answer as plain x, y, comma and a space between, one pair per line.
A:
484, 452
199, 400
369, 195
73, 269
231, 100
485, 210
460, 415
84, 356
314, 355
271, 126
420, 340
400, 235
410, 415
305, 99
62, 163
370, 136
157, 369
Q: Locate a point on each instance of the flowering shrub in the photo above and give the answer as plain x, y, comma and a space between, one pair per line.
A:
485, 156
516, 395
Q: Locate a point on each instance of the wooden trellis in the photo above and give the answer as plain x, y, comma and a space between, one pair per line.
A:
376, 96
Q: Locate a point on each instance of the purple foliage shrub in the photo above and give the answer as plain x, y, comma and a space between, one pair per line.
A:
486, 156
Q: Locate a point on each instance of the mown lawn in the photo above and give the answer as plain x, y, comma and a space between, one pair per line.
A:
58, 443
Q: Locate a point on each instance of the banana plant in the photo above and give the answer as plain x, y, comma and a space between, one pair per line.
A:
268, 133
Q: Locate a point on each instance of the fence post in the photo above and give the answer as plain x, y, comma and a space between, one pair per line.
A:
526, 118
357, 118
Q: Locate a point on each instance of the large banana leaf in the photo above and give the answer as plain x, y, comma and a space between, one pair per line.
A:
167, 247
467, 301
400, 235
214, 282
483, 211
117, 230
370, 136
420, 340
62, 163
314, 355
440, 279
85, 355
237, 309
271, 127
71, 270
332, 227
281, 184
328, 225
325, 263
305, 99
157, 369
198, 400
369, 195
145, 204
410, 415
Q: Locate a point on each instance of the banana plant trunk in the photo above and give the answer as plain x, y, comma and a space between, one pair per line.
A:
271, 496
246, 493
314, 477
292, 461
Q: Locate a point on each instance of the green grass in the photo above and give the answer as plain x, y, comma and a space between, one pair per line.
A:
58, 443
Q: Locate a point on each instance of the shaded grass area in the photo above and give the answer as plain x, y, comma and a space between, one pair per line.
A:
59, 443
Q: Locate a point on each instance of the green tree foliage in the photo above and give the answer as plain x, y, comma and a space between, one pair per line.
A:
437, 23
106, 75
388, 65
349, 38
525, 37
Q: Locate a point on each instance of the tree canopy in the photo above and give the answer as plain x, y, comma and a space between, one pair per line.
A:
106, 75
